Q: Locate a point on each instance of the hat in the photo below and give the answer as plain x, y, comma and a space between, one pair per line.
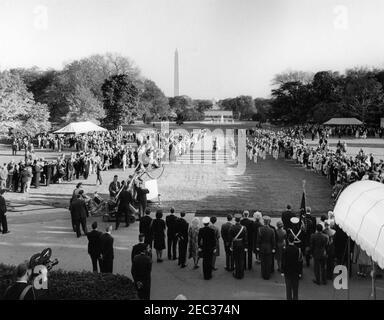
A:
206, 220
295, 220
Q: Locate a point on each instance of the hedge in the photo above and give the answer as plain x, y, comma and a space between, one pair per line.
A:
64, 285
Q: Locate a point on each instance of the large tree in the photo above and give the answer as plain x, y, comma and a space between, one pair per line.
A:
304, 77
153, 104
183, 107
292, 102
363, 95
18, 110
243, 107
83, 106
120, 97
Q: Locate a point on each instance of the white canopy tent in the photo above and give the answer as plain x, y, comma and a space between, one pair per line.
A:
359, 211
80, 127
343, 121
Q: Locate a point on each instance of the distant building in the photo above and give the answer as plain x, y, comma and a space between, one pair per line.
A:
220, 116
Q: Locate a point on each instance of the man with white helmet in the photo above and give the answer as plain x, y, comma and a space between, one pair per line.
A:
207, 246
239, 240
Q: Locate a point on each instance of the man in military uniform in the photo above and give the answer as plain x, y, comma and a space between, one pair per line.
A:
309, 224
239, 239
298, 233
225, 234
207, 247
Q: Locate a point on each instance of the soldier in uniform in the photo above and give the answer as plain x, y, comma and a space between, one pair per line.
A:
207, 247
239, 240
298, 233
309, 223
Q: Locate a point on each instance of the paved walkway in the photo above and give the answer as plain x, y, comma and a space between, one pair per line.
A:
37, 228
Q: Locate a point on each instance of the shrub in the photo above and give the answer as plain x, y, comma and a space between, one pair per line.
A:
71, 285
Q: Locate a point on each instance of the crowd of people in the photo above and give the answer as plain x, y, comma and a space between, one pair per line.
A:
340, 168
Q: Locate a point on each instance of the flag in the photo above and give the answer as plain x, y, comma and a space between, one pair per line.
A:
303, 204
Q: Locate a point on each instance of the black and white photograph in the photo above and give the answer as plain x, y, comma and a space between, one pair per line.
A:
205, 150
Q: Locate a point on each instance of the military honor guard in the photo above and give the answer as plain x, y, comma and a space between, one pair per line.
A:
239, 240
297, 231
207, 246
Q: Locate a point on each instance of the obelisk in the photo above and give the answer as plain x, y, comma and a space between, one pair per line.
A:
176, 75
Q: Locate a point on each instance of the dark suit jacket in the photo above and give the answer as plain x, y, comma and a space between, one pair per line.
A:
319, 243
3, 206
225, 232
114, 188
125, 198
141, 268
207, 240
182, 229
137, 249
286, 217
78, 209
106, 242
266, 240
145, 225
291, 261
94, 242
171, 222
249, 225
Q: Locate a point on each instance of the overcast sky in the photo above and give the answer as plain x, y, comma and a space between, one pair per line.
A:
226, 47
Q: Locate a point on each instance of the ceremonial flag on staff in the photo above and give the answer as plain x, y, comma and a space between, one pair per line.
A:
303, 205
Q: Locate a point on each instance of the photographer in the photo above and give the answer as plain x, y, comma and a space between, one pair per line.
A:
21, 290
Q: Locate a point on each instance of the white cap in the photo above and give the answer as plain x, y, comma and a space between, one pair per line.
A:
206, 220
295, 220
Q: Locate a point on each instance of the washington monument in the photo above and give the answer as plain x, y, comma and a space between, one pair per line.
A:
176, 75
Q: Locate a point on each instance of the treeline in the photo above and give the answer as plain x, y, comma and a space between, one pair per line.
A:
300, 97
107, 89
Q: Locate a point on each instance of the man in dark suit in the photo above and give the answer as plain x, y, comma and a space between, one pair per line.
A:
266, 244
182, 237
114, 187
310, 228
145, 227
239, 244
79, 213
319, 243
207, 247
94, 246
141, 192
123, 208
3, 211
107, 256
141, 273
291, 268
286, 217
226, 236
138, 248
171, 222
36, 173
248, 224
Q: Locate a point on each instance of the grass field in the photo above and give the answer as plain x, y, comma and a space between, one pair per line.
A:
267, 186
